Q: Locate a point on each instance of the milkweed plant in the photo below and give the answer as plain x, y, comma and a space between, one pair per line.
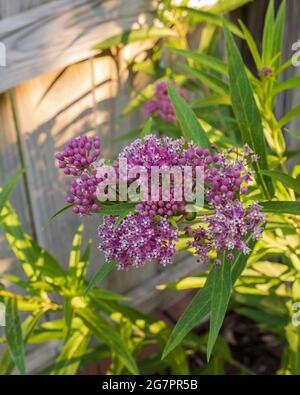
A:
243, 202
208, 174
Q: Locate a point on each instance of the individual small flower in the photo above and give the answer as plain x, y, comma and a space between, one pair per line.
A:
78, 154
161, 105
137, 240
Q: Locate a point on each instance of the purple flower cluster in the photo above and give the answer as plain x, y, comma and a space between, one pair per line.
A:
148, 234
78, 160
161, 105
137, 240
78, 154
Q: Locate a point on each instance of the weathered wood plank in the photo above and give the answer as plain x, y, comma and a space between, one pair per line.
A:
10, 162
13, 7
47, 121
60, 33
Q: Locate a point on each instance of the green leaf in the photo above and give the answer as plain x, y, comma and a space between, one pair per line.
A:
211, 101
293, 133
201, 304
205, 16
100, 275
221, 291
68, 315
205, 60
246, 111
188, 121
60, 211
75, 252
34, 259
69, 359
139, 99
7, 364
108, 334
214, 83
195, 312
131, 36
13, 334
252, 45
268, 35
295, 112
278, 33
289, 84
132, 134
281, 207
117, 208
146, 128
8, 188
287, 180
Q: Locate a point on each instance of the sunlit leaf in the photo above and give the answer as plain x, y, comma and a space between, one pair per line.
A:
13, 334
8, 188
131, 36
287, 180
221, 292
107, 334
190, 125
281, 207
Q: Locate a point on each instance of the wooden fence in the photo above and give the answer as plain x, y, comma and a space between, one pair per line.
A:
54, 88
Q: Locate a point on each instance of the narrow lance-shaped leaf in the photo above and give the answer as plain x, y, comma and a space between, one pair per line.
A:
214, 83
8, 188
287, 180
206, 16
278, 33
69, 359
75, 251
191, 128
13, 334
100, 275
292, 83
246, 111
293, 133
221, 291
131, 36
252, 45
281, 207
7, 364
201, 304
203, 59
293, 113
268, 35
108, 334
146, 128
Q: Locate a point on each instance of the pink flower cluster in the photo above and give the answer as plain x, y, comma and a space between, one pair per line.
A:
78, 159
161, 105
138, 240
148, 233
